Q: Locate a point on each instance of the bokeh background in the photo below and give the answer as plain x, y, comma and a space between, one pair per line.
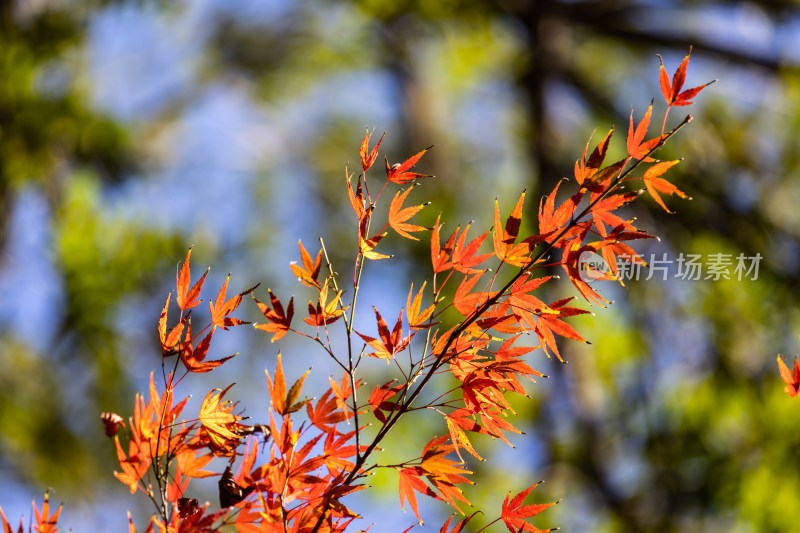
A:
130, 131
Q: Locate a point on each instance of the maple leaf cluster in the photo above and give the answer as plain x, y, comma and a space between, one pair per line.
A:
292, 470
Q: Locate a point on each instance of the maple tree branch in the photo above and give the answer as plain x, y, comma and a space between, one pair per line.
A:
156, 461
400, 367
328, 351
349, 330
284, 518
328, 264
489, 524
441, 358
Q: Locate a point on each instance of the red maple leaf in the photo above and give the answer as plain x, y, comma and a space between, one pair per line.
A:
379, 399
514, 513
672, 91
326, 414
399, 172
194, 357
552, 218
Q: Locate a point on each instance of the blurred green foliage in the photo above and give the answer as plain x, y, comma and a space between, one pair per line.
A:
54, 143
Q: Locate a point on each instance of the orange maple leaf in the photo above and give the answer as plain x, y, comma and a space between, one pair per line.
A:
552, 218
366, 245
522, 302
549, 323
277, 390
134, 464
637, 146
458, 438
186, 296
398, 216
190, 465
440, 255
656, 185
463, 256
325, 414
506, 235
792, 378
416, 316
45, 522
368, 157
571, 262
585, 169
356, 197
410, 481
444, 473
309, 272
602, 212
149, 428
325, 312
169, 340
342, 392
465, 301
218, 422
221, 308
283, 401
612, 250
